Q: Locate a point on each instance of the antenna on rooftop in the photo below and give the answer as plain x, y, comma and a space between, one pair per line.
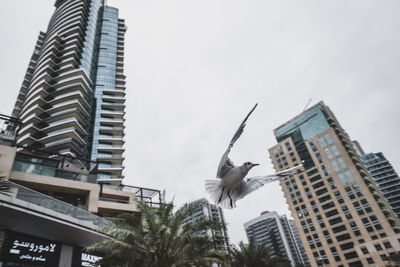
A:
308, 103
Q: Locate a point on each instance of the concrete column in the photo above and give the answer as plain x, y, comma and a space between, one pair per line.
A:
7, 155
66, 256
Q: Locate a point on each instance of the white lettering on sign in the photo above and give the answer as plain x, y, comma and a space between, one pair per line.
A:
33, 247
88, 259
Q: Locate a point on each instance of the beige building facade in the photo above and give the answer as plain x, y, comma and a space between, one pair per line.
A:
342, 217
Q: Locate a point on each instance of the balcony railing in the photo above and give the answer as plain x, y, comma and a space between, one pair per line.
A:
33, 197
34, 168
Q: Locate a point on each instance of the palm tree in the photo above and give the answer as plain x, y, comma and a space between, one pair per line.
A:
394, 260
158, 239
251, 255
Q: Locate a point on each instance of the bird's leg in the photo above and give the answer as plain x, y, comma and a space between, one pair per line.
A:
230, 198
222, 193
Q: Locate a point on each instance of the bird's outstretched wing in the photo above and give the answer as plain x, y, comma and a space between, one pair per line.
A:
253, 183
226, 164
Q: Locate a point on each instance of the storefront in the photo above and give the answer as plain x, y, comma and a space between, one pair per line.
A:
21, 250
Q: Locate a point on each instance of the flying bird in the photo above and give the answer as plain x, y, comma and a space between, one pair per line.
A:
231, 187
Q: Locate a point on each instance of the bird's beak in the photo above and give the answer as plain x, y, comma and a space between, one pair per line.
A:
255, 164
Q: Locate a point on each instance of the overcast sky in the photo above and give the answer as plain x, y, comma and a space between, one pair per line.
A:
195, 68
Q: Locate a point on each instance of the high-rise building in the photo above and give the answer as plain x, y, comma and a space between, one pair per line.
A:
66, 136
342, 217
72, 98
384, 176
211, 212
279, 234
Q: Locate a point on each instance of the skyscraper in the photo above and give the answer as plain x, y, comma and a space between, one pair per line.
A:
279, 234
342, 217
384, 176
211, 212
72, 98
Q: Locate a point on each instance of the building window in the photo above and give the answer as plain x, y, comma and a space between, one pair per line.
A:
331, 183
288, 147
303, 180
315, 178
335, 151
318, 185
328, 237
328, 153
387, 244
335, 221
347, 246
342, 164
355, 229
319, 158
320, 192
339, 197
322, 142
313, 146
321, 221
364, 250
312, 172
339, 229
328, 138
378, 247
325, 170
346, 212
370, 260
331, 213
351, 255
384, 257
314, 206
308, 192
328, 205
324, 198
343, 237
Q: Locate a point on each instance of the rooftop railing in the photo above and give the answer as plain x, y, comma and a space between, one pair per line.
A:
33, 197
144, 194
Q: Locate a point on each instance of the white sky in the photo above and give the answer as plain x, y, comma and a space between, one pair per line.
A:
195, 68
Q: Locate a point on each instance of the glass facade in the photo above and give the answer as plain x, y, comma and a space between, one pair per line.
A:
310, 124
106, 68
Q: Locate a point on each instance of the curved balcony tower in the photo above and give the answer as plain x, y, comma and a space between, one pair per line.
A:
72, 97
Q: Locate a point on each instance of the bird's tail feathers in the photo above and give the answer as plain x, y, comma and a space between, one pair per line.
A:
218, 196
212, 187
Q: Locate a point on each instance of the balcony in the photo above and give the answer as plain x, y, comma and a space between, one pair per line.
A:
109, 167
34, 168
37, 199
110, 147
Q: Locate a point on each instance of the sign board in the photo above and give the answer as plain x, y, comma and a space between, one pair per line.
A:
29, 250
83, 259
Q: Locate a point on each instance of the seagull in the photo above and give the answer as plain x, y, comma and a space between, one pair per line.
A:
230, 187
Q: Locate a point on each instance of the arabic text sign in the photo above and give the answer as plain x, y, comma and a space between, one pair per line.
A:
19, 248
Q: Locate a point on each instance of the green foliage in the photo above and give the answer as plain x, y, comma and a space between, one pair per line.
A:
250, 255
158, 239
394, 260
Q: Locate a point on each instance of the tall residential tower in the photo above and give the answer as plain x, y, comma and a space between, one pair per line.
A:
279, 234
210, 211
72, 98
342, 217
385, 177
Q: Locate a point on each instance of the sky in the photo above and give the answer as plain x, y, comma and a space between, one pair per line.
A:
195, 68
